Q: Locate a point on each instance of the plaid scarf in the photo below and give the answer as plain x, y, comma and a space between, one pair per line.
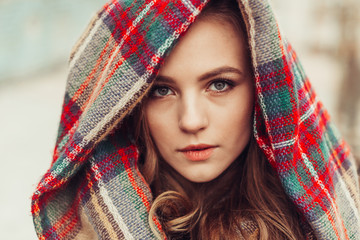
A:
94, 188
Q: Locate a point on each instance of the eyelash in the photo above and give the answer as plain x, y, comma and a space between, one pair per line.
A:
228, 86
155, 88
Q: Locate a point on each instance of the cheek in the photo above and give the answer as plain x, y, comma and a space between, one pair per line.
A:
236, 120
159, 123
239, 108
238, 126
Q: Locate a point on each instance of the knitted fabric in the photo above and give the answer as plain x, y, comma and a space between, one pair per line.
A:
94, 186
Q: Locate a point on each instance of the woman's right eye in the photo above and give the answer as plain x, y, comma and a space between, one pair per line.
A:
161, 91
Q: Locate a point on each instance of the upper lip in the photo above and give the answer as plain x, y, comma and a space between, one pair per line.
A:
195, 147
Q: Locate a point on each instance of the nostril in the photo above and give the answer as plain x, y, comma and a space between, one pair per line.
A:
192, 113
192, 123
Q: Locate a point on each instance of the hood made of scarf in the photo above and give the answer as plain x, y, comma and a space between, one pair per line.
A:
94, 182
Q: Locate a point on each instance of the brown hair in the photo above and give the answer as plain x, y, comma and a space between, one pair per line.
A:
249, 191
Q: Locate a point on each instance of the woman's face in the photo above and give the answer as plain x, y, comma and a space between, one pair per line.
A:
199, 110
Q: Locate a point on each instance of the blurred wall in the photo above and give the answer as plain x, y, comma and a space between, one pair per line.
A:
36, 35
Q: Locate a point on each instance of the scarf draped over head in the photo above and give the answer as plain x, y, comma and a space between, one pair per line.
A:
94, 188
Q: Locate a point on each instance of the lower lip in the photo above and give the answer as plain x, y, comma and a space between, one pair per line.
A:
199, 155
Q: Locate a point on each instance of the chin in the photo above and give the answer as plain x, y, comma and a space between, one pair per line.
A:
201, 178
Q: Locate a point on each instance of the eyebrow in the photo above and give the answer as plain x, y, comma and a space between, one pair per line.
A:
218, 71
213, 73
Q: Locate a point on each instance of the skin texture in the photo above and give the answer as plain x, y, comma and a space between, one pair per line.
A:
199, 110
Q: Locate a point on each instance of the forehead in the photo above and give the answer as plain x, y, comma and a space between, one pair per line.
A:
207, 45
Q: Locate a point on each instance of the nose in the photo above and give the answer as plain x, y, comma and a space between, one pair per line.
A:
192, 115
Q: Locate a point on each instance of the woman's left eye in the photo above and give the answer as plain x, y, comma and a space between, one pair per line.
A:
219, 86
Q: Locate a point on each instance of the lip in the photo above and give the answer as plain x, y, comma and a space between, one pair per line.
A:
199, 152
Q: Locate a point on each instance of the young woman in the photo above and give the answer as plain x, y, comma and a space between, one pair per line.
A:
194, 120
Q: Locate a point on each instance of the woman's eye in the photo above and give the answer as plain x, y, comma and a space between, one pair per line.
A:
161, 91
219, 86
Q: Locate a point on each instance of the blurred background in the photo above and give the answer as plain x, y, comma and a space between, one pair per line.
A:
36, 38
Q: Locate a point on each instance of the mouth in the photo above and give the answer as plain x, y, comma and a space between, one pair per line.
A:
200, 152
